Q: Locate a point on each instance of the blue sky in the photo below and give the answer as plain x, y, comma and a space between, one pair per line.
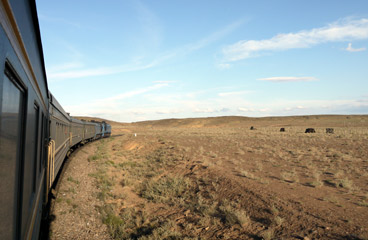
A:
143, 60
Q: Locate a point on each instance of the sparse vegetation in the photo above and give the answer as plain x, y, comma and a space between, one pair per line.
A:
267, 234
233, 215
316, 181
71, 179
166, 189
290, 176
247, 174
278, 220
363, 203
346, 183
229, 182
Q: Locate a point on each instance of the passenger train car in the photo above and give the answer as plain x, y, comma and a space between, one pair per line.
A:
36, 134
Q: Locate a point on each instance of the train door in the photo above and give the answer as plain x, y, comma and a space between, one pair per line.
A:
12, 107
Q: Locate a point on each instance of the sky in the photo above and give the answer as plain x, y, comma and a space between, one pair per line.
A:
133, 60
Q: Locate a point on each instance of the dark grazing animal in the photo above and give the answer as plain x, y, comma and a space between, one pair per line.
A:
282, 129
252, 128
310, 130
329, 130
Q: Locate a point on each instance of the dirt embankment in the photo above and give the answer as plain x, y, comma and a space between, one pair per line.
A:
163, 182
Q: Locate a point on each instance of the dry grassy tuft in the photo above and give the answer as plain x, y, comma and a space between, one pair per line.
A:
166, 189
289, 176
233, 215
247, 174
267, 234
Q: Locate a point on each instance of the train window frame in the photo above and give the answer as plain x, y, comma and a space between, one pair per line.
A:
10, 73
42, 137
36, 109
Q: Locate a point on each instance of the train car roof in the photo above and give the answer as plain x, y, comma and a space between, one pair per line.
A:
91, 123
26, 18
74, 120
57, 105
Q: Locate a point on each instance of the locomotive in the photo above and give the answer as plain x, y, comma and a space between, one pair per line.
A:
36, 134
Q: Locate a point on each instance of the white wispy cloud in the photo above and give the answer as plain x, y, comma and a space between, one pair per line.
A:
212, 110
136, 92
289, 79
202, 43
111, 105
225, 109
214, 36
67, 66
69, 73
138, 112
305, 107
253, 110
164, 81
64, 21
81, 73
123, 111
65, 71
351, 49
243, 109
225, 94
167, 111
223, 66
205, 110
344, 30
150, 23
295, 108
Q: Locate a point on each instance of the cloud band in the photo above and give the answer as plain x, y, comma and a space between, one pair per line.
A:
344, 30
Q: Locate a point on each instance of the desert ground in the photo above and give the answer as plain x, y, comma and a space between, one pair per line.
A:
214, 178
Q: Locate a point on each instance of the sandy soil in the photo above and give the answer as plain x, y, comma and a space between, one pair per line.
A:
217, 179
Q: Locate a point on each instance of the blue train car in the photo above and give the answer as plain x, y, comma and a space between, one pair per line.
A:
36, 134
24, 121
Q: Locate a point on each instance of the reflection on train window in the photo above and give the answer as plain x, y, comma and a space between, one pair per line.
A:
10, 148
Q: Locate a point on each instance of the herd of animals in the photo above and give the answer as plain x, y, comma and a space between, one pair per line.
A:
308, 130
36, 134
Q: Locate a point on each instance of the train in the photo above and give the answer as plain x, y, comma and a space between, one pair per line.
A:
36, 134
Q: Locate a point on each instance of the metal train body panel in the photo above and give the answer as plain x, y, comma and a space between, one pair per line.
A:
23, 121
102, 130
107, 132
35, 132
89, 131
76, 132
59, 133
98, 131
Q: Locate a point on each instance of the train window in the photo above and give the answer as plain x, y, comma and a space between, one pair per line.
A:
11, 135
35, 157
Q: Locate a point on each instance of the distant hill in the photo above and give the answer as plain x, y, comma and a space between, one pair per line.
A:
237, 121
246, 122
